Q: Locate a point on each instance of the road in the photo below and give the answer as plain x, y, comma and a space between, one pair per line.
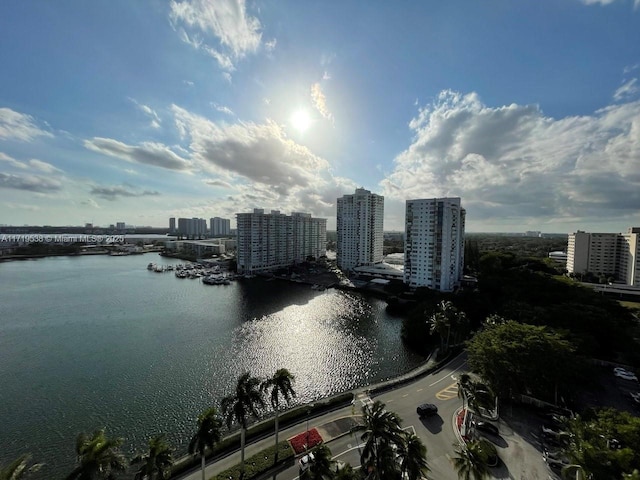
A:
436, 432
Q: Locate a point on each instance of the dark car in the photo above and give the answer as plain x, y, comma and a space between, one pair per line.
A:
426, 410
487, 427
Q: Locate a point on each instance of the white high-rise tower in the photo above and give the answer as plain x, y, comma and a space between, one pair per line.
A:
434, 243
359, 229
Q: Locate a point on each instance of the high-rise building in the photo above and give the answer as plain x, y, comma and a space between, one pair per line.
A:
434, 243
267, 241
359, 228
219, 226
120, 226
192, 227
614, 255
172, 225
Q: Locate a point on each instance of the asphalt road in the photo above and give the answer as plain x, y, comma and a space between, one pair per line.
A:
517, 446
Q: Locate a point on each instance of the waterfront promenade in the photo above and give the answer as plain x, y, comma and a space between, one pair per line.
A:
518, 450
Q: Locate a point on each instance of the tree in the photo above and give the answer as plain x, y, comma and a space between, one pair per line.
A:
99, 457
445, 320
519, 358
470, 462
603, 443
241, 406
381, 435
207, 435
412, 456
19, 468
281, 384
156, 462
321, 468
346, 472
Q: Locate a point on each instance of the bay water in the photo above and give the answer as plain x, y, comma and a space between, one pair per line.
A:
101, 342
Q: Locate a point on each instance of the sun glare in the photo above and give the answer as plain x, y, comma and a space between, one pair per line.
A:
300, 120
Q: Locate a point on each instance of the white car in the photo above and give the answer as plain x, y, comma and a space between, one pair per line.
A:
625, 375
621, 370
306, 461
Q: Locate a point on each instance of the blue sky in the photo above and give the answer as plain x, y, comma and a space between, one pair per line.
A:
140, 111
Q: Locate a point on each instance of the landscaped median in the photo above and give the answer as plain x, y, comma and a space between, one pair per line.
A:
260, 463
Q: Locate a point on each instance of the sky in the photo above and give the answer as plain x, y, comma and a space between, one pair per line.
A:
137, 111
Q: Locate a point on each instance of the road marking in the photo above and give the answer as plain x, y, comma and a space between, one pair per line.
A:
419, 390
448, 393
405, 395
444, 378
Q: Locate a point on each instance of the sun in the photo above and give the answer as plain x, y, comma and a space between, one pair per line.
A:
301, 120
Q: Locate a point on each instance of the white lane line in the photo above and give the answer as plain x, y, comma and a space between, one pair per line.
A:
446, 377
405, 395
419, 390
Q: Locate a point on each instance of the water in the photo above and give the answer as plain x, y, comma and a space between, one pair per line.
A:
97, 341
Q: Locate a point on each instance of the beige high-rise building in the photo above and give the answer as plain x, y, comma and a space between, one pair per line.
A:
359, 228
267, 241
611, 254
434, 243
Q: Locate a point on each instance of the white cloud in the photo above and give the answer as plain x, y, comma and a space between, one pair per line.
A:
112, 193
30, 183
214, 182
148, 153
270, 45
320, 101
223, 109
264, 167
150, 112
43, 166
19, 126
32, 164
514, 162
236, 32
636, 3
258, 152
12, 161
626, 90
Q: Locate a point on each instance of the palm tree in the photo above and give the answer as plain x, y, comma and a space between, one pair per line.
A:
207, 435
321, 468
241, 406
279, 385
382, 434
99, 457
346, 472
471, 461
412, 455
19, 468
157, 460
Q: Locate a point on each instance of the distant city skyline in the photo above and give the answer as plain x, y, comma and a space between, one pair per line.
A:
529, 111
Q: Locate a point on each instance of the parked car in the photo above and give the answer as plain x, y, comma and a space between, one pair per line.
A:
306, 461
487, 427
625, 375
426, 410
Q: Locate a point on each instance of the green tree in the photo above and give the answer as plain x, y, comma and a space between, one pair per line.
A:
518, 358
99, 457
280, 385
207, 435
346, 472
447, 319
382, 433
156, 462
603, 442
412, 456
241, 406
470, 462
322, 466
19, 468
